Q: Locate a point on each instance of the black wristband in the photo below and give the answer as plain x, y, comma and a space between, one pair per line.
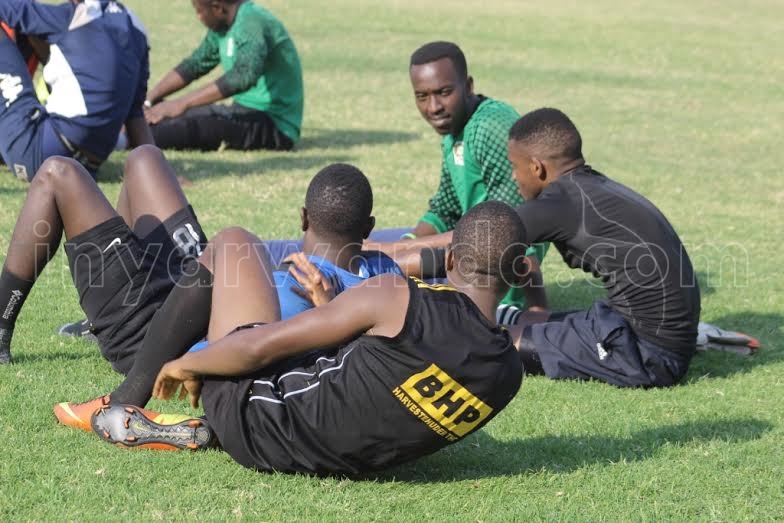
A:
433, 262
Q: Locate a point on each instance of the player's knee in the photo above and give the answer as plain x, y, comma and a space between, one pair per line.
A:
141, 158
57, 170
233, 235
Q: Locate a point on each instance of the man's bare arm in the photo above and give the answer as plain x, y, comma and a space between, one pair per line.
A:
205, 95
170, 83
377, 305
407, 253
533, 287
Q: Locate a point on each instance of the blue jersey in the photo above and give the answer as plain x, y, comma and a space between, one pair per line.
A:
97, 70
372, 263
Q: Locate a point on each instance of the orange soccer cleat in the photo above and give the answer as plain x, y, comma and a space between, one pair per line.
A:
77, 415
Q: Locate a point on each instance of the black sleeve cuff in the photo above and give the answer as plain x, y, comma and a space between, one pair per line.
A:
226, 87
185, 72
433, 262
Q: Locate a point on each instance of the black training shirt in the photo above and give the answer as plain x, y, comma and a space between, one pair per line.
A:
609, 230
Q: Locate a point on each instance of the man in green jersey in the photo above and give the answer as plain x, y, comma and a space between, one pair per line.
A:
475, 167
261, 71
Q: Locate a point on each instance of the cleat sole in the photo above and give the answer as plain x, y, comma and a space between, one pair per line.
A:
127, 426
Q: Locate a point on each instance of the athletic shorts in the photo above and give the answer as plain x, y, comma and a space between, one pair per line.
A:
599, 343
122, 280
225, 401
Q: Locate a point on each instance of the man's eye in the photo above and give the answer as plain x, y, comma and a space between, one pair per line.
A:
445, 92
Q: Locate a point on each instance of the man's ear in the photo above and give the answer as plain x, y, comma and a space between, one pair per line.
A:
450, 259
470, 84
538, 168
303, 217
370, 224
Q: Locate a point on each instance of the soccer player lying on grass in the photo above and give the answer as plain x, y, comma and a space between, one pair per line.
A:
644, 333
144, 289
137, 254
124, 262
407, 368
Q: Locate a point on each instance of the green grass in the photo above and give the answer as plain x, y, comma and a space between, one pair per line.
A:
680, 100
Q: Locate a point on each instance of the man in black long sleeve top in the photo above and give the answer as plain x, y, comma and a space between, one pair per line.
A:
644, 333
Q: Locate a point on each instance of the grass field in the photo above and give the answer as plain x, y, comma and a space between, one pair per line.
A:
680, 100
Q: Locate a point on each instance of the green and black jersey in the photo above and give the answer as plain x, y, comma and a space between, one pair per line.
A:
261, 64
475, 169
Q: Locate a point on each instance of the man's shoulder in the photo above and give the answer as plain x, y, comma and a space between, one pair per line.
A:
252, 15
490, 122
493, 112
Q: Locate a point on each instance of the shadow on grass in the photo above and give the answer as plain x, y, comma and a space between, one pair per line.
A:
21, 358
322, 138
482, 456
714, 364
207, 165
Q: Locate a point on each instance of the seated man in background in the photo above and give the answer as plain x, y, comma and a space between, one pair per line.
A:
411, 367
93, 94
261, 71
644, 334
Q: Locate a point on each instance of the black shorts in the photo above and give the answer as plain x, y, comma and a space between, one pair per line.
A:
122, 280
599, 343
225, 401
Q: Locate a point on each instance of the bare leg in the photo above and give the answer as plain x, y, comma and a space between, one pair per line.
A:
62, 197
239, 293
124, 206
243, 288
151, 190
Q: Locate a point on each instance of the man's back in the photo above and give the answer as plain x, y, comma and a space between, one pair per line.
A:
605, 228
378, 401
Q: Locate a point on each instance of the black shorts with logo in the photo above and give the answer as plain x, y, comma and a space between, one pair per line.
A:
599, 343
122, 279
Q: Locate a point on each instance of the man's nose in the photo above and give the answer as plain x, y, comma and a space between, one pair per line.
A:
434, 105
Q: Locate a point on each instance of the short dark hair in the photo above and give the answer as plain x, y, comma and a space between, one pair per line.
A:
550, 132
436, 51
339, 201
490, 240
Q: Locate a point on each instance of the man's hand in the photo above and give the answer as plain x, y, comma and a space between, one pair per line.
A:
318, 290
164, 110
172, 376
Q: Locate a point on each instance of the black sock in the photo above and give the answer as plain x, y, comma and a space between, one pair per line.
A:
182, 320
13, 293
532, 364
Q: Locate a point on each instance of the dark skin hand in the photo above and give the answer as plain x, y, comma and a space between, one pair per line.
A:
318, 290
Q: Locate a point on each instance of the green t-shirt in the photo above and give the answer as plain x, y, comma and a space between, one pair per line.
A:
262, 66
475, 168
